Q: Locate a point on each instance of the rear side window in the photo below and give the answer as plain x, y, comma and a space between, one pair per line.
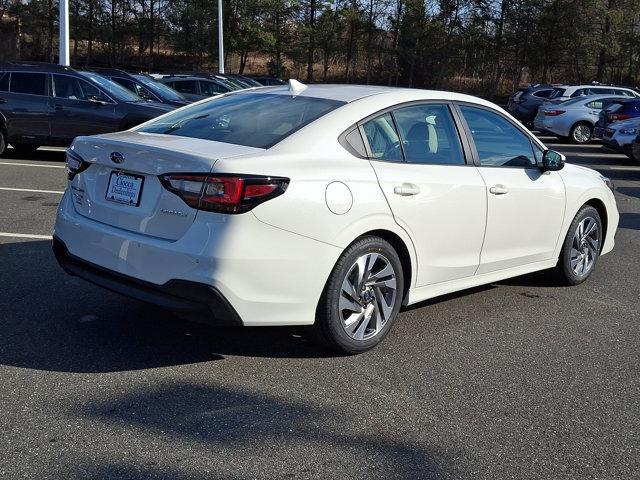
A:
429, 135
128, 84
211, 88
4, 81
498, 142
383, 139
186, 86
578, 93
597, 104
626, 93
601, 91
30, 83
542, 93
251, 119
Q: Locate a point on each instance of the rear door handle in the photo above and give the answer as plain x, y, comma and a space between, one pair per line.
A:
2, 100
498, 190
406, 189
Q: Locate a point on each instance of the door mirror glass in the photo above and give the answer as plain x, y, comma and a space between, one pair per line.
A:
552, 160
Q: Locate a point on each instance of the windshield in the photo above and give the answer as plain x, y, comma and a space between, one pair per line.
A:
251, 119
557, 92
161, 89
112, 88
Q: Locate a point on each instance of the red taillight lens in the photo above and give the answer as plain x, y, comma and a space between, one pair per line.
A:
619, 116
224, 193
553, 113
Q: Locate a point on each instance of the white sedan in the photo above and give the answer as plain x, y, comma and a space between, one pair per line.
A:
330, 206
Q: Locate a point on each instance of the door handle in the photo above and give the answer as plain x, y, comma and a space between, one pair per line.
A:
2, 100
498, 190
406, 189
58, 107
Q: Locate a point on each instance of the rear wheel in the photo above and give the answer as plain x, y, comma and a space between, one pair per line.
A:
581, 247
362, 297
581, 133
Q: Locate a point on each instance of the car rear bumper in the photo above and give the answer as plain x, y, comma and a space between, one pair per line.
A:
188, 299
269, 276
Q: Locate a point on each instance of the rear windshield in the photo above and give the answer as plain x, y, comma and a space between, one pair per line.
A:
251, 119
557, 92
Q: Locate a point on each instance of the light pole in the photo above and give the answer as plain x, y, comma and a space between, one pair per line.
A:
220, 39
63, 57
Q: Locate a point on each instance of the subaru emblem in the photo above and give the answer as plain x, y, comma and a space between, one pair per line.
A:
116, 157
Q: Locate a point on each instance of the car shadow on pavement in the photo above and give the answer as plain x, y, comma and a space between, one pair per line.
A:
224, 426
52, 321
629, 221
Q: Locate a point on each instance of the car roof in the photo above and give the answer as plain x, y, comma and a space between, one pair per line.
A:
350, 93
35, 67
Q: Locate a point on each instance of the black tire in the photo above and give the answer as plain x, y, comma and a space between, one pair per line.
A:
581, 127
565, 270
330, 327
24, 148
3, 141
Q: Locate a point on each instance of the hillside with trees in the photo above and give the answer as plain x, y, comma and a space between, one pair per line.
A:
480, 46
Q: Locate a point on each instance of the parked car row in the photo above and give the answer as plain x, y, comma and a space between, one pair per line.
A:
581, 113
48, 104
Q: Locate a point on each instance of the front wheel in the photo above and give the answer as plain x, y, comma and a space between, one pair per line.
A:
362, 297
581, 133
581, 247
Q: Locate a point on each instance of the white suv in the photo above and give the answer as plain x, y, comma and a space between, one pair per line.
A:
565, 92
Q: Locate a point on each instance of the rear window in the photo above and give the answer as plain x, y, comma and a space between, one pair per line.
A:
31, 83
252, 119
557, 92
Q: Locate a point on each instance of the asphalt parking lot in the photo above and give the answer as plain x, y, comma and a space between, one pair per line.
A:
518, 380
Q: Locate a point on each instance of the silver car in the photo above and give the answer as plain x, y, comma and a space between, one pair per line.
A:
574, 119
620, 135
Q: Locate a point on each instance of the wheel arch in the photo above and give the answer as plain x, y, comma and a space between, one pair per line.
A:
602, 211
402, 250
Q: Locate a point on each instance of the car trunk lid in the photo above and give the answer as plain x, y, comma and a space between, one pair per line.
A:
121, 187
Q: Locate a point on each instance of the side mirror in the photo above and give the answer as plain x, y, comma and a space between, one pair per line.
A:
553, 161
96, 99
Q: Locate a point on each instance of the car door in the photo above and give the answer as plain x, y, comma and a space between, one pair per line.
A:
80, 108
434, 194
525, 204
26, 107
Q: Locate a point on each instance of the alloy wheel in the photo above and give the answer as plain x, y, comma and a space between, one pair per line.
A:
367, 296
582, 134
584, 246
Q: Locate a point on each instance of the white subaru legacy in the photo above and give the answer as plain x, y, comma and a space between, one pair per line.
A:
324, 205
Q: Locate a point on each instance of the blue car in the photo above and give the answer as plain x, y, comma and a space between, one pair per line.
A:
620, 110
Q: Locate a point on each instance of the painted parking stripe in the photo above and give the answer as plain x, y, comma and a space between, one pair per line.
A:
30, 190
25, 235
31, 165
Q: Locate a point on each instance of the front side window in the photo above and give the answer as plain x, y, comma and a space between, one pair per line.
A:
251, 119
383, 139
579, 93
498, 142
114, 90
429, 135
31, 83
73, 88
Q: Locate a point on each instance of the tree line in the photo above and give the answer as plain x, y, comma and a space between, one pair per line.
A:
480, 46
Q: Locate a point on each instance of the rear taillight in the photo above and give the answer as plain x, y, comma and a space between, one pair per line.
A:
614, 117
553, 113
75, 164
224, 193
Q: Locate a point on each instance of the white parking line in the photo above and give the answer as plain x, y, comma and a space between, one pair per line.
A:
30, 190
25, 235
31, 165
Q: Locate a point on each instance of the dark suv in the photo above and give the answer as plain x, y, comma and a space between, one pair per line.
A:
46, 104
144, 86
524, 103
194, 87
